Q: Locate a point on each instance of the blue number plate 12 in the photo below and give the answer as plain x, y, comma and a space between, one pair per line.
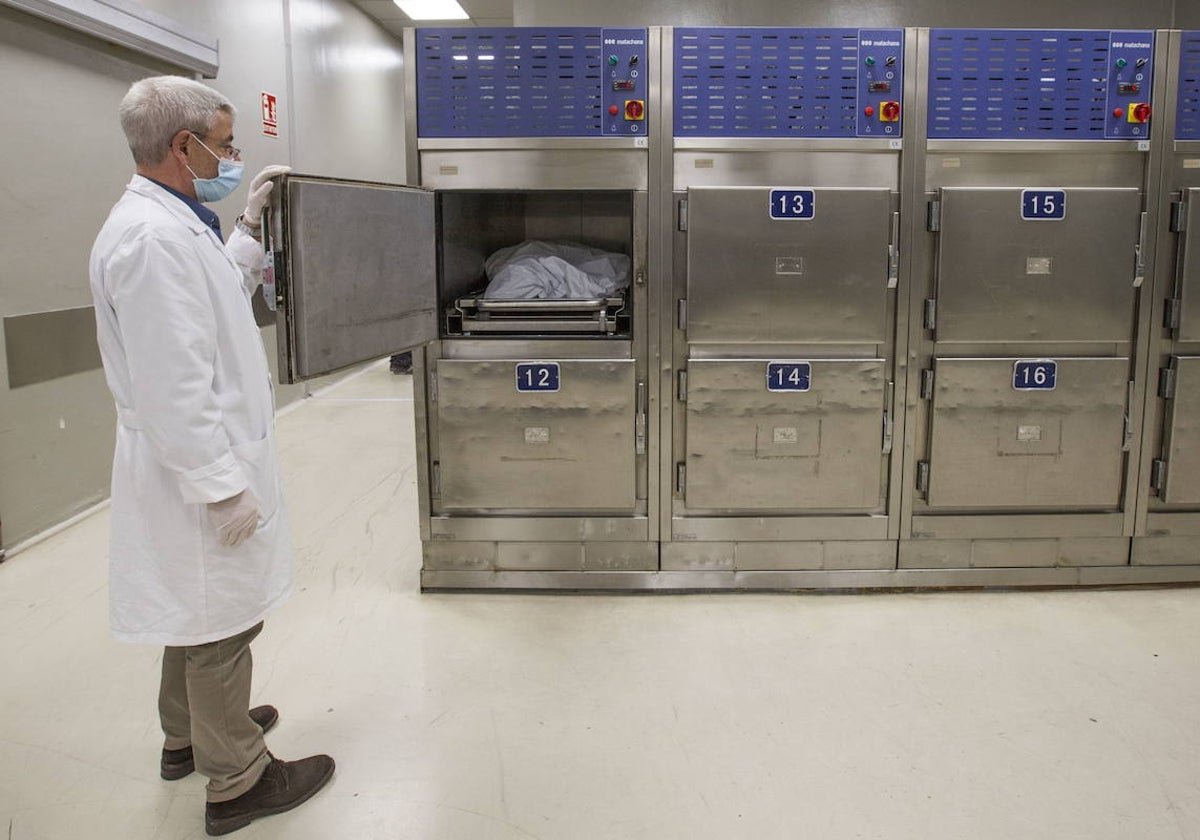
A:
537, 376
1043, 205
1035, 375
793, 204
789, 376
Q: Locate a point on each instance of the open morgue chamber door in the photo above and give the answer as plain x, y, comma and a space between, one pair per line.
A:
355, 272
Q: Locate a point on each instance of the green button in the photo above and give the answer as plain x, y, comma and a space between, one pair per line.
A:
1121, 62
612, 59
870, 61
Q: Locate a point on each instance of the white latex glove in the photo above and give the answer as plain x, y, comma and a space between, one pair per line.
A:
260, 190
235, 518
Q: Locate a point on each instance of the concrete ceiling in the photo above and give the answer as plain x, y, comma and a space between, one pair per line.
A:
482, 12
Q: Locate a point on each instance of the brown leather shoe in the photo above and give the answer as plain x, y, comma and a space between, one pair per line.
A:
282, 786
176, 764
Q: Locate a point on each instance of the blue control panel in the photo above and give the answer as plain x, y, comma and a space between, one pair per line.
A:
1187, 114
532, 82
790, 82
1025, 84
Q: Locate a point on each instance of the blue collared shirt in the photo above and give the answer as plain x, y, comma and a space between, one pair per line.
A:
203, 213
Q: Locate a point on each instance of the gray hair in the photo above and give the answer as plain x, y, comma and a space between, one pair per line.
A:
156, 109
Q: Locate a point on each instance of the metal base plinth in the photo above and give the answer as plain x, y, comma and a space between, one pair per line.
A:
807, 581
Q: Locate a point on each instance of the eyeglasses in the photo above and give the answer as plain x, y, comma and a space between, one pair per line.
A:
227, 151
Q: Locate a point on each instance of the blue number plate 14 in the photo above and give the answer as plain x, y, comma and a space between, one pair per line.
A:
1035, 375
1043, 205
793, 204
537, 376
789, 376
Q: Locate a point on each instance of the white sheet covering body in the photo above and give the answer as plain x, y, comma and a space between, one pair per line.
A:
555, 270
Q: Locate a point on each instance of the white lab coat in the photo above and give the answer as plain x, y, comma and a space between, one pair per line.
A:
186, 366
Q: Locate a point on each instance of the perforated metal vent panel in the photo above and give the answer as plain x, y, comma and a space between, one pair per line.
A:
791, 82
531, 82
1187, 116
1038, 84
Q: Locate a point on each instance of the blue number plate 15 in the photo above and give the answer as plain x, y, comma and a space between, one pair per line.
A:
1043, 205
1035, 375
789, 376
537, 376
793, 204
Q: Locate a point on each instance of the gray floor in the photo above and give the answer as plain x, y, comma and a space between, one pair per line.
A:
488, 717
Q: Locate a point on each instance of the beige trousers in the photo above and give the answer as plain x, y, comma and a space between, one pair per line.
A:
204, 702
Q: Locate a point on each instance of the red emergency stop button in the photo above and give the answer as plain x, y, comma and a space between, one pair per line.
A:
869, 111
614, 110
635, 109
889, 111
1118, 113
1139, 113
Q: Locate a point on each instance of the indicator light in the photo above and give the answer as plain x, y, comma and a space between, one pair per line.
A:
889, 111
1121, 63
870, 61
614, 110
635, 109
623, 84
1139, 113
1118, 113
869, 111
613, 59
1128, 87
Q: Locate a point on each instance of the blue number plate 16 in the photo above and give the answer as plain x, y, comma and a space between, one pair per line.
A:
793, 204
789, 376
1035, 375
1043, 205
537, 376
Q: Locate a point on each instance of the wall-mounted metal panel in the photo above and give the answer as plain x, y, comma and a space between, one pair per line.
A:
752, 278
994, 446
536, 82
133, 27
751, 447
1004, 278
790, 82
43, 346
1024, 84
1187, 105
572, 448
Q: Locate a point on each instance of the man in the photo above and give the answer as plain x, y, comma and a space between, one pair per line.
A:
200, 550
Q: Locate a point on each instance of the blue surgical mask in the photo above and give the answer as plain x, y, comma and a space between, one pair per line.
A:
229, 176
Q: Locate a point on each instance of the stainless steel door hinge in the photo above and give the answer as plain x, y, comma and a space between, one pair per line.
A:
933, 216
1171, 314
894, 253
1139, 264
930, 314
683, 214
681, 385
889, 394
1166, 383
922, 476
1158, 476
1127, 437
927, 384
682, 314
1179, 213
680, 478
639, 420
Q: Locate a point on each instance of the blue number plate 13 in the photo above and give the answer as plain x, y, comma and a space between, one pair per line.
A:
1043, 205
793, 204
537, 376
1035, 375
789, 376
